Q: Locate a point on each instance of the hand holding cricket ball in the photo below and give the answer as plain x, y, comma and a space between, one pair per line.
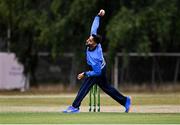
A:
101, 13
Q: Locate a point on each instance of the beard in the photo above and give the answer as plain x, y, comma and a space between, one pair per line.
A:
88, 45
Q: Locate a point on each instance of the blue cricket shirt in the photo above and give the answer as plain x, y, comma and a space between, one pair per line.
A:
95, 58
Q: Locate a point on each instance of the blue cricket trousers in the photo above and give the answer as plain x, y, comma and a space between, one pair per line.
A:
103, 84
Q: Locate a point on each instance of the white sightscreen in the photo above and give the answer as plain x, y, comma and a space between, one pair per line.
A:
11, 72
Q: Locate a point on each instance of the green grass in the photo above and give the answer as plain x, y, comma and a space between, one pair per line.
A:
89, 118
138, 99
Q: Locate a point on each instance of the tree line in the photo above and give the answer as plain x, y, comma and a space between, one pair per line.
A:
57, 26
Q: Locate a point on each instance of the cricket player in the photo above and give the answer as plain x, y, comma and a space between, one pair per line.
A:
97, 71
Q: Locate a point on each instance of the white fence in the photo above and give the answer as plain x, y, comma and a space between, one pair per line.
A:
141, 68
160, 67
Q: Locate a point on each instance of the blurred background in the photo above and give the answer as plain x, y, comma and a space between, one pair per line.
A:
141, 42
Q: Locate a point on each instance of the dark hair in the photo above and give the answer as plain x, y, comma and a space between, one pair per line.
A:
97, 38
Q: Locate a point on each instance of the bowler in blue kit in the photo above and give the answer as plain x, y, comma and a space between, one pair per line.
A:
97, 71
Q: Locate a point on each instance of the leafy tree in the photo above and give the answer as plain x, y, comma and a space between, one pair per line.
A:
58, 26
143, 26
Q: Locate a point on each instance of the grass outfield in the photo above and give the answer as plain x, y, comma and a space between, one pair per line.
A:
89, 118
54, 117
65, 99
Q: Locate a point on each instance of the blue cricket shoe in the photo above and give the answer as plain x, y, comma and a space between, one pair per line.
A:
128, 104
71, 109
